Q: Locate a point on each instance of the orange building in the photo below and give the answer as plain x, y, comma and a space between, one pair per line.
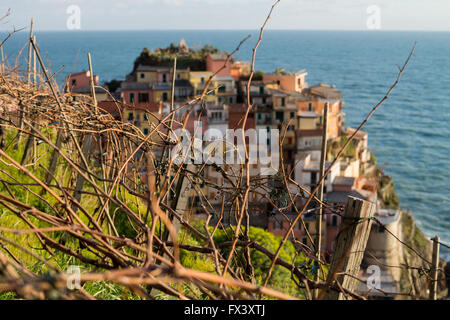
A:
287, 81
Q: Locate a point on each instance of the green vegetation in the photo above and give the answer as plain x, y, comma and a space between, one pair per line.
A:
282, 279
186, 57
9, 219
386, 192
336, 145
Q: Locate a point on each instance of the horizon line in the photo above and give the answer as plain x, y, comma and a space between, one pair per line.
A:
252, 30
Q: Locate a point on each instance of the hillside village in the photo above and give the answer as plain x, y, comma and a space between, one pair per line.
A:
280, 100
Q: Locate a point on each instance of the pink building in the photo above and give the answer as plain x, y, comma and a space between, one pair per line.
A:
216, 61
80, 81
139, 94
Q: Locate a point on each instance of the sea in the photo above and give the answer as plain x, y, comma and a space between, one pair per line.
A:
409, 133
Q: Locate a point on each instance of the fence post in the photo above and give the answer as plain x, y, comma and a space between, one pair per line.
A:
87, 140
323, 159
435, 267
351, 241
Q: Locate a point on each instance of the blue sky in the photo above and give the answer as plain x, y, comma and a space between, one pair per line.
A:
228, 14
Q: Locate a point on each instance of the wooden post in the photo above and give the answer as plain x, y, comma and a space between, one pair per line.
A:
435, 267
35, 149
87, 142
30, 53
323, 159
351, 241
2, 70
91, 79
34, 64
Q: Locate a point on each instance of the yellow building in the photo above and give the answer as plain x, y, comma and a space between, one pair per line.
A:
162, 92
198, 81
152, 74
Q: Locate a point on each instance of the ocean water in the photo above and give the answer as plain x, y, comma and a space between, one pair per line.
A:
410, 133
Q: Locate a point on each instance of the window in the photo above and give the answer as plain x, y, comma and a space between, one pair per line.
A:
313, 177
259, 116
165, 96
131, 97
222, 89
334, 221
283, 102
307, 226
146, 131
292, 115
219, 99
145, 117
279, 115
74, 82
310, 106
277, 225
264, 101
130, 116
164, 77
304, 241
202, 80
261, 90
142, 75
143, 97
381, 229
230, 100
178, 76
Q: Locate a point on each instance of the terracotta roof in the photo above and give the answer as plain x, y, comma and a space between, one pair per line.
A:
115, 107
238, 107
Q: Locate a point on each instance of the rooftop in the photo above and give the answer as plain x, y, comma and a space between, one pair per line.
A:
218, 56
324, 91
387, 216
341, 196
131, 85
344, 181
